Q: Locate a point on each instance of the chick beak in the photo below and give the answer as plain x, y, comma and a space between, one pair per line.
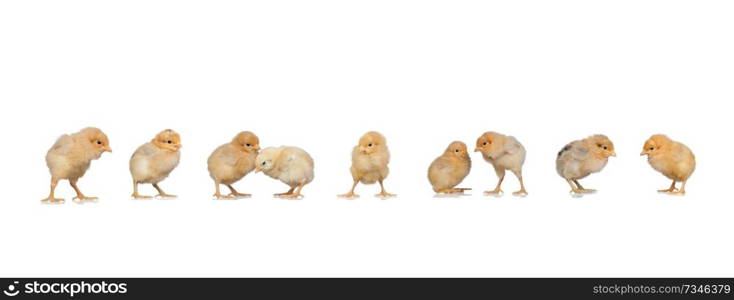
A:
257, 148
476, 149
257, 169
643, 153
614, 154
107, 149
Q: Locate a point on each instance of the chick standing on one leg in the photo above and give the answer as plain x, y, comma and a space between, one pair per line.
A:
232, 161
673, 159
70, 157
154, 160
291, 165
449, 169
580, 158
369, 163
504, 153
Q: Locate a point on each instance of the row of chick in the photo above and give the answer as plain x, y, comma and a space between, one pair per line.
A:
71, 155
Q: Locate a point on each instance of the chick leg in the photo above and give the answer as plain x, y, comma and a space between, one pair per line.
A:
522, 191
581, 189
50, 198
497, 191
682, 190
669, 190
297, 194
218, 195
79, 195
161, 193
351, 193
135, 194
383, 193
288, 193
236, 194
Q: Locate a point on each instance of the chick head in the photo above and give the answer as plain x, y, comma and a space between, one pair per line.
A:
490, 143
655, 144
248, 141
96, 139
602, 145
168, 140
264, 160
370, 142
457, 149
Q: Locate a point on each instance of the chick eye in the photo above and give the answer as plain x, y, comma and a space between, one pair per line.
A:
457, 150
652, 148
99, 142
263, 163
485, 144
169, 142
370, 145
248, 145
605, 148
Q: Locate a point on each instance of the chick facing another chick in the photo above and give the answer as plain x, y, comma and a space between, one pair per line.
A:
291, 165
232, 161
449, 169
580, 158
153, 161
69, 158
504, 153
369, 163
672, 159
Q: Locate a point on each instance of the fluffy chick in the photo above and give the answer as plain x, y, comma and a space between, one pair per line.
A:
154, 160
369, 163
580, 158
449, 169
232, 161
70, 157
504, 153
291, 165
673, 159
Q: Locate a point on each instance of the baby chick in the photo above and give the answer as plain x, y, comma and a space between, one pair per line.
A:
504, 153
291, 165
671, 158
580, 158
369, 163
154, 160
70, 157
232, 161
449, 169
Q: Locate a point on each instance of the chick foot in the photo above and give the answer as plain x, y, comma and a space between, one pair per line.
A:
384, 195
520, 193
495, 192
350, 195
237, 195
453, 191
583, 191
223, 197
83, 199
292, 196
141, 197
53, 201
668, 191
166, 196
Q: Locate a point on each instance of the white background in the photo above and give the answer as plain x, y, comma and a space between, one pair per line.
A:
318, 74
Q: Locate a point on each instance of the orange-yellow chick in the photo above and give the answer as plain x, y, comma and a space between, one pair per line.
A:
154, 160
70, 157
291, 165
369, 163
580, 158
673, 159
504, 153
449, 169
232, 161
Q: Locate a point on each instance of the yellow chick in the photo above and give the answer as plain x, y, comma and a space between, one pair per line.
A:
673, 159
369, 163
70, 157
291, 165
504, 153
154, 160
232, 161
580, 158
449, 169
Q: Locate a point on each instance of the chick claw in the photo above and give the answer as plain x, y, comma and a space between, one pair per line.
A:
670, 190
140, 197
53, 201
239, 195
82, 199
454, 191
166, 196
290, 196
385, 195
583, 191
